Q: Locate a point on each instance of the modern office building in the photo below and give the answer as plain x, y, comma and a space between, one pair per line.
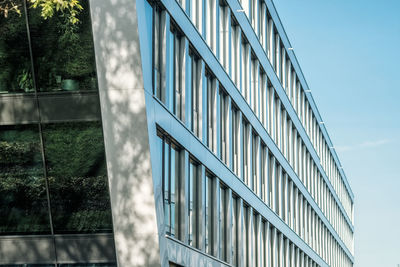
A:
172, 133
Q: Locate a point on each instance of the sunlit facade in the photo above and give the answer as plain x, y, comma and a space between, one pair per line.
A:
172, 133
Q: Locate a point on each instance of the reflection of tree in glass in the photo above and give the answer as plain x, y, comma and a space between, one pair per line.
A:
23, 203
77, 177
68, 8
87, 265
15, 65
63, 51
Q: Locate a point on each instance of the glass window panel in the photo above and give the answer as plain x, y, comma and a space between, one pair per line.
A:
77, 177
170, 177
174, 170
23, 200
171, 69
166, 186
194, 203
158, 53
211, 113
235, 238
246, 235
63, 54
87, 265
196, 94
27, 265
177, 85
209, 214
223, 222
15, 64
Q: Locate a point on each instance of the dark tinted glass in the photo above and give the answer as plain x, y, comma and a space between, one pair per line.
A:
23, 201
88, 265
77, 177
63, 54
28, 265
15, 64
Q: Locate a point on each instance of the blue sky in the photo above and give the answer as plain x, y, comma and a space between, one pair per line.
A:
349, 52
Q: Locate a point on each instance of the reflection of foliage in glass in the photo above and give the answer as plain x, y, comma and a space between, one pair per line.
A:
63, 51
77, 177
68, 8
14, 55
88, 265
23, 202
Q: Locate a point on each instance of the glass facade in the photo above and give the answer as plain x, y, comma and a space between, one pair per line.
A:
53, 176
77, 177
63, 265
23, 201
256, 134
51, 54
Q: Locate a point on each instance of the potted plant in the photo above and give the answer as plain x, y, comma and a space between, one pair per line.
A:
77, 53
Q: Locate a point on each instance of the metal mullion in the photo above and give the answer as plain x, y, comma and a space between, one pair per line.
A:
40, 131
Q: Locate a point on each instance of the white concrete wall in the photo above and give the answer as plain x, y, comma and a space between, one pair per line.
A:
122, 100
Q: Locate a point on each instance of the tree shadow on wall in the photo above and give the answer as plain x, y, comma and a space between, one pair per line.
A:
119, 68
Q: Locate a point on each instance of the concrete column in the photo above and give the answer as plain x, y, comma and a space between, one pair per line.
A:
121, 32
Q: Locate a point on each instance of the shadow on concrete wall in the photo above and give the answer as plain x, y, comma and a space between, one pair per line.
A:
122, 95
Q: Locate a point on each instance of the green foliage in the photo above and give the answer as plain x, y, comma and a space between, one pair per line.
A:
25, 80
68, 8
23, 205
7, 6
76, 174
62, 46
71, 8
14, 55
77, 177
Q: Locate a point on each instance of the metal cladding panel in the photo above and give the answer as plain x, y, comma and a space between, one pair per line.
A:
18, 109
23, 249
